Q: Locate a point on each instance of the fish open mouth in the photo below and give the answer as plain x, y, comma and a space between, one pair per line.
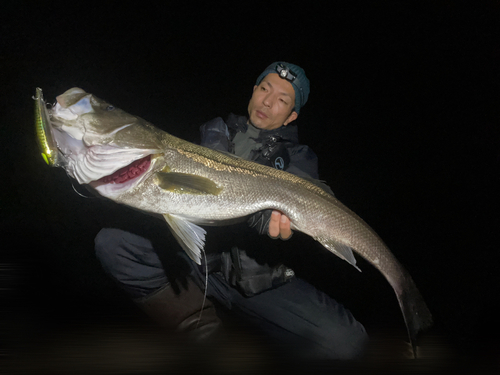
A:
127, 173
124, 178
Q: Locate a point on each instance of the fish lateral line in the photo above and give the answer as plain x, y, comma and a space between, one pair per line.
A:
216, 173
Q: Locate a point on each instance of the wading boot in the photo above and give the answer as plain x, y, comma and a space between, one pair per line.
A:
180, 312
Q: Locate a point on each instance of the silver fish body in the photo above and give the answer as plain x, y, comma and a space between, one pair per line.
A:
191, 185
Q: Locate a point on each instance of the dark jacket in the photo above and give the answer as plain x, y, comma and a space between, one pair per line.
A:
271, 145
280, 149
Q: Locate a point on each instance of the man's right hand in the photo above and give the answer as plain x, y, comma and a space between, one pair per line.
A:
279, 226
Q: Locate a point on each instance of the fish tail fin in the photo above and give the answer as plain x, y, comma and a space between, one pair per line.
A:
416, 314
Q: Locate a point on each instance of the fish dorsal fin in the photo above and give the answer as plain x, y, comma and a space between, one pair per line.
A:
342, 251
190, 236
186, 183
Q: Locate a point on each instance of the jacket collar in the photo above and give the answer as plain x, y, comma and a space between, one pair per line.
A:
287, 133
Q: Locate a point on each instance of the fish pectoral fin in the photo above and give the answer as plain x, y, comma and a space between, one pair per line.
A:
342, 251
190, 236
186, 183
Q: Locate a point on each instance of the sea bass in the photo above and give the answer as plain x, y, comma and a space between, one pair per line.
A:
128, 160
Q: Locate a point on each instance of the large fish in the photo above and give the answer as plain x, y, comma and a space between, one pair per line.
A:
128, 160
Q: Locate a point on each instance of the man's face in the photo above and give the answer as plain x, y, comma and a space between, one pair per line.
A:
272, 103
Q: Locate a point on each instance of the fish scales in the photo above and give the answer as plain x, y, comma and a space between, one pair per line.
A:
189, 185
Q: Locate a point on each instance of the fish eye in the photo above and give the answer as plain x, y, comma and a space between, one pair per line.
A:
110, 108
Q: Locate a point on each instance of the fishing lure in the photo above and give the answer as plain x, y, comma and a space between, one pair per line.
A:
46, 142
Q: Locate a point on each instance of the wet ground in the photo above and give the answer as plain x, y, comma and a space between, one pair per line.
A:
132, 347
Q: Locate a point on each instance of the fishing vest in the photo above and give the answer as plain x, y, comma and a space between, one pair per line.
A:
244, 140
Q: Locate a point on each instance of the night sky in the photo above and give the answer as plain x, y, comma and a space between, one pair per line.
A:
403, 115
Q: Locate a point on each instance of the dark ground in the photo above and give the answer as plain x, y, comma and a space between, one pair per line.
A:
403, 115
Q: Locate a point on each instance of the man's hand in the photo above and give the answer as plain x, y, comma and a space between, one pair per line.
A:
279, 226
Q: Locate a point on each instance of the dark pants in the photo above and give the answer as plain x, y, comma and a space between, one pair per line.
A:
295, 313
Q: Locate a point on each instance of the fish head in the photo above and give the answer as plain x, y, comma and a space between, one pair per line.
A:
102, 145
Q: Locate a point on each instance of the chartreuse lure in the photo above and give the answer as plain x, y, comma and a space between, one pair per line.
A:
46, 142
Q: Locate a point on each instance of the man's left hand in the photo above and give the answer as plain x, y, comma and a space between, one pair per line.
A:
279, 226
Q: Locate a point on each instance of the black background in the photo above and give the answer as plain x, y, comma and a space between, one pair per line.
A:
403, 114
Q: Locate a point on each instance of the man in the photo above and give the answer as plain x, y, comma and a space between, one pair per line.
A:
269, 298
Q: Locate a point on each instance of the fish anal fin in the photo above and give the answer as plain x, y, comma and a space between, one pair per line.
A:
342, 251
190, 236
186, 183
